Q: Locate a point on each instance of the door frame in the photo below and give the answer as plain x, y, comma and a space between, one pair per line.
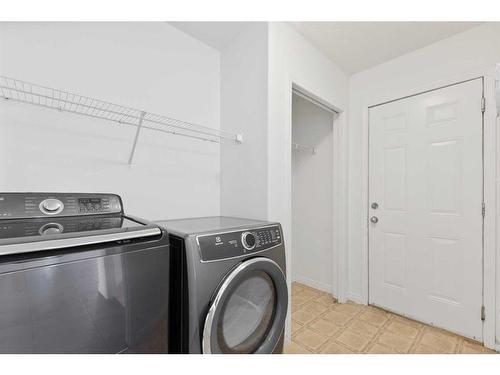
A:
489, 150
339, 189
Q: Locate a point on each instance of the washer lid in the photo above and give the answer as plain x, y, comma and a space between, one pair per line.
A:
24, 236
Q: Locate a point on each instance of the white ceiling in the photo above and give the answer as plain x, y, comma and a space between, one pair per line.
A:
216, 34
354, 46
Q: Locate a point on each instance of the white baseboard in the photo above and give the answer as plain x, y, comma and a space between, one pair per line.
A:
355, 298
314, 284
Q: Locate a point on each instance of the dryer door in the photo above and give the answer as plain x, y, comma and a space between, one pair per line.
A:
249, 310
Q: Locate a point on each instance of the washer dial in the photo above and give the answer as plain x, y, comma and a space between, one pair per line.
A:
51, 206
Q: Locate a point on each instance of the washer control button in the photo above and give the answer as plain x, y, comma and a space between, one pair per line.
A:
51, 206
51, 228
248, 240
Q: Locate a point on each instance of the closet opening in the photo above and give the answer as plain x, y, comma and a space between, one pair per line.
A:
312, 255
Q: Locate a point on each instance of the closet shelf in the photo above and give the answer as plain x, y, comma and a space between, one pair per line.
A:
30, 93
306, 148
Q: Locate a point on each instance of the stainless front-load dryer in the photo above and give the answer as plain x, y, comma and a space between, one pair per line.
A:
228, 286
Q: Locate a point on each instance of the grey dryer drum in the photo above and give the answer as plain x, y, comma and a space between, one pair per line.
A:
269, 321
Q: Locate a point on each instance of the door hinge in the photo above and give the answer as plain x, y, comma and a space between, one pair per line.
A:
483, 313
483, 104
483, 209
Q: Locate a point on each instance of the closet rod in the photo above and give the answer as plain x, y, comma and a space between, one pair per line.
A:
313, 101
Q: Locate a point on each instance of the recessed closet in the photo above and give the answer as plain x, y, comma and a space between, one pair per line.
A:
312, 192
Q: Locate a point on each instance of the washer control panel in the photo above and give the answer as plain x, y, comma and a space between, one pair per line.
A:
234, 244
50, 226
36, 205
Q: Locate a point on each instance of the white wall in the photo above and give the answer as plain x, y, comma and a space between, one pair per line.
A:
497, 88
247, 87
293, 60
312, 195
150, 66
463, 54
244, 110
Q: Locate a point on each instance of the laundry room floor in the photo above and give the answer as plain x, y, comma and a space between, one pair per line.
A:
321, 325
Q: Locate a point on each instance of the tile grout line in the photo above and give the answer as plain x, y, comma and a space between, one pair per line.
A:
312, 304
416, 341
337, 334
380, 331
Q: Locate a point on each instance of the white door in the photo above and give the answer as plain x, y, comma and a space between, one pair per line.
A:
425, 174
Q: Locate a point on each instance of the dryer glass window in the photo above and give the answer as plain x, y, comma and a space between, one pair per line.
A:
247, 314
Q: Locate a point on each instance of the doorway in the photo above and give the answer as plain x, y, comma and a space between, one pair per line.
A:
425, 202
312, 192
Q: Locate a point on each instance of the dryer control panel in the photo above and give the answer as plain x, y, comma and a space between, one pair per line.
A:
221, 246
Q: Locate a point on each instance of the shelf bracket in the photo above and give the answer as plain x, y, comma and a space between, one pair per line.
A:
139, 126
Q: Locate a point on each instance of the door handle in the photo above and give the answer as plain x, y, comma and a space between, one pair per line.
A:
374, 219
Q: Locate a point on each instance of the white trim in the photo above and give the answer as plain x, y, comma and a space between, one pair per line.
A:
490, 235
313, 283
490, 251
340, 208
357, 298
364, 208
340, 188
497, 212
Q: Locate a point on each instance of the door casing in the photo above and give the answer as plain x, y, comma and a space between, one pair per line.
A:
469, 323
340, 189
491, 254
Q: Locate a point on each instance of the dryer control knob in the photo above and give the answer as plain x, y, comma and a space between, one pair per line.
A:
248, 240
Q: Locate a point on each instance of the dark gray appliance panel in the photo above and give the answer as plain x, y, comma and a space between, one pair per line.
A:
229, 245
106, 304
33, 205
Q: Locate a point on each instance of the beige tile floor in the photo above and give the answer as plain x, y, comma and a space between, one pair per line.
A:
320, 325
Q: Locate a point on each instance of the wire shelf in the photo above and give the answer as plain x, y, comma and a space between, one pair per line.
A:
301, 147
30, 93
